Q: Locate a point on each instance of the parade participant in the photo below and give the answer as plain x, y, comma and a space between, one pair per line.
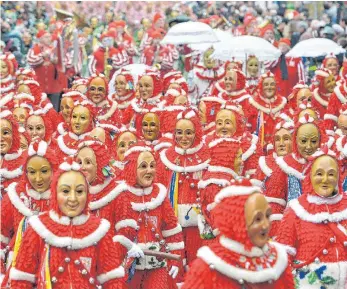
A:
174, 79
264, 108
233, 64
105, 110
122, 89
21, 113
67, 245
30, 92
80, 84
25, 74
252, 73
12, 156
300, 93
249, 26
26, 198
314, 226
96, 31
331, 63
336, 101
8, 66
225, 165
204, 75
150, 129
114, 58
147, 221
150, 90
285, 182
39, 126
123, 39
282, 144
44, 60
242, 257
158, 23
324, 87
81, 124
267, 32
67, 104
183, 166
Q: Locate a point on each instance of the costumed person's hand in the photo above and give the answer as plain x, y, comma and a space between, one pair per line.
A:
136, 252
173, 272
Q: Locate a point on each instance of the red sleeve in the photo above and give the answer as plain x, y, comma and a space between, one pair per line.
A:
6, 221
332, 113
199, 277
286, 280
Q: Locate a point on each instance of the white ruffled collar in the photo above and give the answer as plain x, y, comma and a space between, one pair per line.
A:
13, 156
122, 98
66, 221
78, 137
38, 196
154, 203
6, 79
319, 98
189, 151
240, 248
217, 169
140, 191
318, 200
98, 188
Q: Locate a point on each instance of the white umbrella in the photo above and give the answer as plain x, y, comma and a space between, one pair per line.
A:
315, 47
224, 40
189, 33
135, 69
241, 47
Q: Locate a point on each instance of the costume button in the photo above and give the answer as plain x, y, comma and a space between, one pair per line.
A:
137, 228
317, 261
332, 240
198, 199
153, 229
60, 269
77, 262
345, 244
140, 220
91, 280
157, 236
54, 280
241, 281
67, 259
192, 185
84, 272
180, 181
69, 247
198, 193
325, 221
325, 251
187, 177
212, 267
162, 242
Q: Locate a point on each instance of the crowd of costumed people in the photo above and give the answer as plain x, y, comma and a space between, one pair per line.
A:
128, 162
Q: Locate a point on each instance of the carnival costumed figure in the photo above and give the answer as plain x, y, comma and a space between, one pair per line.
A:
8, 67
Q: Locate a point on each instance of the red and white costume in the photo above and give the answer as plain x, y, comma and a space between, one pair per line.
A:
233, 262
147, 219
11, 168
64, 252
261, 112
181, 171
7, 84
314, 229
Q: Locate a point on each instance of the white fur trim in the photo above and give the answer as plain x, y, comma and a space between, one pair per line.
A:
278, 201
13, 156
219, 182
232, 272
321, 73
17, 202
288, 170
154, 203
276, 217
256, 183
18, 275
11, 174
235, 190
316, 218
7, 98
21, 96
171, 232
137, 149
42, 111
139, 191
66, 221
220, 140
213, 99
268, 110
264, 167
38, 196
64, 148
173, 92
5, 113
251, 149
290, 250
124, 241
98, 188
330, 142
339, 95
330, 116
179, 169
175, 108
175, 246
162, 145
108, 126
67, 167
126, 223
324, 201
75, 243
119, 272
190, 150
41, 150
339, 144
4, 239
110, 112
184, 210
108, 198
319, 99
217, 169
87, 143
61, 130
240, 248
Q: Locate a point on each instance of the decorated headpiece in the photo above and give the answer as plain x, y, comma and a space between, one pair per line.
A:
35, 95
129, 78
46, 120
7, 115
11, 62
327, 57
157, 82
27, 73
193, 116
95, 75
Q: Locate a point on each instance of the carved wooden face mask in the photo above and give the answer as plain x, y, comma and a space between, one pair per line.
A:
146, 87
97, 90
150, 126
87, 160
39, 173
185, 133
324, 176
146, 169
253, 67
80, 119
283, 142
66, 107
72, 193
121, 85
4, 69
225, 123
20, 114
6, 136
230, 81
329, 83
125, 140
36, 127
269, 87
304, 94
307, 139
209, 62
257, 215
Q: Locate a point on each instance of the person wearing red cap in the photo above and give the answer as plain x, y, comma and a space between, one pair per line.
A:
267, 32
42, 57
242, 256
249, 26
116, 57
287, 70
158, 22
123, 39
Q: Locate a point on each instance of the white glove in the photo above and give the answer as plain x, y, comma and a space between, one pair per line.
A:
135, 252
173, 272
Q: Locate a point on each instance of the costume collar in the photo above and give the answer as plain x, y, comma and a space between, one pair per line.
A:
7, 174
6, 99
7, 88
251, 150
288, 169
110, 112
78, 137
340, 92
98, 188
240, 248
123, 98
38, 196
66, 221
13, 156
241, 95
219, 140
223, 170
17, 202
319, 98
318, 200
274, 110
154, 203
140, 191
212, 74
6, 79
189, 151
103, 103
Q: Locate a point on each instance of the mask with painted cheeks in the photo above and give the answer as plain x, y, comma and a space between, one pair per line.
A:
150, 126
80, 119
125, 140
225, 123
97, 90
185, 133
39, 173
146, 170
307, 140
253, 67
121, 85
66, 107
6, 139
230, 81
146, 87
329, 83
36, 127
283, 142
269, 87
87, 160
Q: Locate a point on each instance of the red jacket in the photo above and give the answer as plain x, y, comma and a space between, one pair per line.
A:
337, 99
